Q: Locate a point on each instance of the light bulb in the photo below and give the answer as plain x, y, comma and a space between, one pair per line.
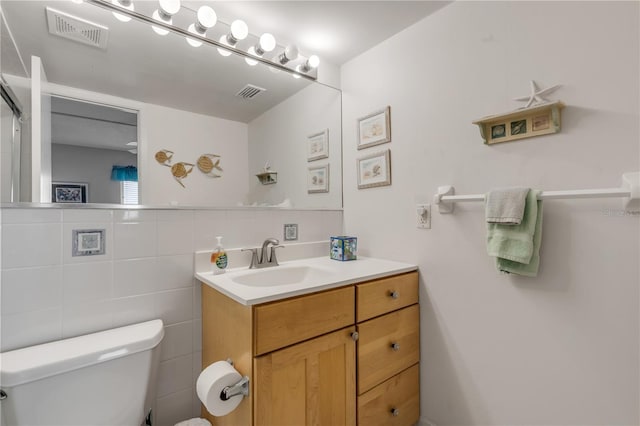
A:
125, 4
239, 30
309, 64
191, 41
207, 18
290, 54
157, 17
170, 7
296, 76
224, 52
313, 61
267, 43
251, 62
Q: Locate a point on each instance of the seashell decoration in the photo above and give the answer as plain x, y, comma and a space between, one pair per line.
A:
164, 157
206, 164
180, 171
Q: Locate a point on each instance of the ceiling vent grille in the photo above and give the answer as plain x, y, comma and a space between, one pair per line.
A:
250, 91
77, 29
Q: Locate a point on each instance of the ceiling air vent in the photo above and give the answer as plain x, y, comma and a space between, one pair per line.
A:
250, 91
77, 29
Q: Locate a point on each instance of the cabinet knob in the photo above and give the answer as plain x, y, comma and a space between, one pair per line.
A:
395, 346
355, 336
395, 412
394, 294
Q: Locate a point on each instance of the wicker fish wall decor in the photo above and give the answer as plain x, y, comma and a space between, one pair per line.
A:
208, 164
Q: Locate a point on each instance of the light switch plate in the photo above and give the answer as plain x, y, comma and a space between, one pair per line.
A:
290, 231
423, 214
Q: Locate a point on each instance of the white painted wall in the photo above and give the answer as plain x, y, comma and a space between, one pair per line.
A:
93, 166
558, 349
146, 273
280, 136
190, 135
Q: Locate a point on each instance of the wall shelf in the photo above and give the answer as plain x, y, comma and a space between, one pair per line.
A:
537, 120
267, 178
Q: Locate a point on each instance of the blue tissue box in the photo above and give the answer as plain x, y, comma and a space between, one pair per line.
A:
344, 248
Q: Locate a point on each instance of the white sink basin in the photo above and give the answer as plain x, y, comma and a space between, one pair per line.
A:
279, 275
297, 277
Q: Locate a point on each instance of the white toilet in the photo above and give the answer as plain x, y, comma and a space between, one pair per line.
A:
105, 378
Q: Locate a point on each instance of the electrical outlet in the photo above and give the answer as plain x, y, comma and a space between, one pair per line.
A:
423, 212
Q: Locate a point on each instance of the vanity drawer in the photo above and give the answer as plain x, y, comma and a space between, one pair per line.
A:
290, 321
378, 297
395, 402
387, 345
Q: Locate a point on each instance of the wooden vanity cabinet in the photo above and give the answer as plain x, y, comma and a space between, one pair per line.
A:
306, 363
388, 323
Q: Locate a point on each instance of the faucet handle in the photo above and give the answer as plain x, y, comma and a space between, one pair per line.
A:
254, 256
272, 257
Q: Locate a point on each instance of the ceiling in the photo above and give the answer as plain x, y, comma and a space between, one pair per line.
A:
140, 65
336, 31
93, 126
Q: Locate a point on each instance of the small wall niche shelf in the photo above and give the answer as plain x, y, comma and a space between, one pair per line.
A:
267, 178
536, 120
629, 191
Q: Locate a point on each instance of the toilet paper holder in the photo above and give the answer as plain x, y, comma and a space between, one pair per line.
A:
240, 388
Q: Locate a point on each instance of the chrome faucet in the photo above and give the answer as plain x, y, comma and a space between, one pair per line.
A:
263, 260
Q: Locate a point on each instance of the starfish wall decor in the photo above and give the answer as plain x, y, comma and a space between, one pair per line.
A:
536, 95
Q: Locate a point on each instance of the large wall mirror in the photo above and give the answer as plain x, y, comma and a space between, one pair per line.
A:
103, 100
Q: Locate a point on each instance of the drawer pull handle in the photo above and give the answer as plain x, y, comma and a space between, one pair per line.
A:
394, 294
395, 346
355, 336
395, 412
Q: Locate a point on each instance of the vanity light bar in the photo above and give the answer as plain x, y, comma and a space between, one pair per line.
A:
177, 30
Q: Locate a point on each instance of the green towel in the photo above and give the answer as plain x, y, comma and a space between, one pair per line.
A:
517, 247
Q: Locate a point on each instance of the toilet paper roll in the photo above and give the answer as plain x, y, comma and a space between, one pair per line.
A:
210, 384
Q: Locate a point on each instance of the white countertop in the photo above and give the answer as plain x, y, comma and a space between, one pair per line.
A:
336, 274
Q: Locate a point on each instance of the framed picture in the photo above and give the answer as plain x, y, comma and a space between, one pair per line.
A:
318, 146
318, 179
69, 192
374, 128
374, 170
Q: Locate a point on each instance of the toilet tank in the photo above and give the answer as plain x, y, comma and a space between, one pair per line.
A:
98, 379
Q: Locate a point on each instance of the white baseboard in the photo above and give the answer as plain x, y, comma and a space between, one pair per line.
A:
425, 422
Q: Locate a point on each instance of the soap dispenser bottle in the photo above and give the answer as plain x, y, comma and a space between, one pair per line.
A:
219, 259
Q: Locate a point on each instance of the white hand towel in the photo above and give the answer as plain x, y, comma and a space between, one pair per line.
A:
506, 206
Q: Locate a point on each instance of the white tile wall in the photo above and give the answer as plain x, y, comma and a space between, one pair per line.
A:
146, 273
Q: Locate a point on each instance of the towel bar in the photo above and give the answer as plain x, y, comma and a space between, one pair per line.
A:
630, 191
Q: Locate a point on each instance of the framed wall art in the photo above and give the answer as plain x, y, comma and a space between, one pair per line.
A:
374, 170
375, 128
62, 192
318, 146
318, 179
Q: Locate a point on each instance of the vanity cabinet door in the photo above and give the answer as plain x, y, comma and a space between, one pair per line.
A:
311, 383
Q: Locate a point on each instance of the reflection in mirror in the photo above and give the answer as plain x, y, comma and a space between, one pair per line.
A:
187, 101
97, 146
10, 139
